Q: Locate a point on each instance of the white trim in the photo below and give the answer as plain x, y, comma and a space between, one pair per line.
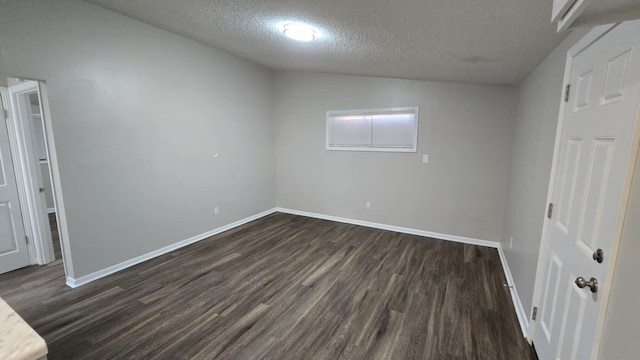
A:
559, 9
405, 230
27, 172
572, 13
74, 283
18, 173
51, 210
56, 182
523, 319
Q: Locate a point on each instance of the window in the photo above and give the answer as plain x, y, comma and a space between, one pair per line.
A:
388, 129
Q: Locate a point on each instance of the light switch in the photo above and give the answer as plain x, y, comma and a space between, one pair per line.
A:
425, 158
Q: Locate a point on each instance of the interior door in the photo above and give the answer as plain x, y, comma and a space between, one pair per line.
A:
597, 149
38, 218
14, 253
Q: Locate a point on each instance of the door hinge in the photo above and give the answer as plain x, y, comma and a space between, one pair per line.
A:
567, 91
26, 238
550, 210
535, 313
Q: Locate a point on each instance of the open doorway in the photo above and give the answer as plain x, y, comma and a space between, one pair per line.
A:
31, 217
41, 153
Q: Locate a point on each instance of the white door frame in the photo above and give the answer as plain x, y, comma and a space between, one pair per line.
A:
54, 171
594, 35
40, 252
27, 175
35, 252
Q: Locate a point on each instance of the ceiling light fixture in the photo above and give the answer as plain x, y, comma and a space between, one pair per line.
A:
300, 32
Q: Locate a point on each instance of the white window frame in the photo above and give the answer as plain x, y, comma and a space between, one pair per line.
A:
375, 111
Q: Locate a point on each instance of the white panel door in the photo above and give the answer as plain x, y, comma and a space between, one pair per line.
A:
597, 148
14, 253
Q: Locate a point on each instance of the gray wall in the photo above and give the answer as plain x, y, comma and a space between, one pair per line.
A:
466, 130
534, 138
138, 114
622, 324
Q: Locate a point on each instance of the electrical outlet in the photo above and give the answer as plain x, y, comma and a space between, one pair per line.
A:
511, 243
367, 205
216, 210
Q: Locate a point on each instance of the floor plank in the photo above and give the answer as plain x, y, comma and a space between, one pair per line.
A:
282, 287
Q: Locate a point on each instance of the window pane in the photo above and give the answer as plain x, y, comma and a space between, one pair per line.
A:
350, 131
390, 129
393, 130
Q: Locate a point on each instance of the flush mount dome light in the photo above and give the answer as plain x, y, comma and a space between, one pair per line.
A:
300, 32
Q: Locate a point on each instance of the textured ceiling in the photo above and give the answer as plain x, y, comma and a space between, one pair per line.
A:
476, 41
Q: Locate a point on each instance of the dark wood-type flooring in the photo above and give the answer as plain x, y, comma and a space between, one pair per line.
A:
282, 287
54, 235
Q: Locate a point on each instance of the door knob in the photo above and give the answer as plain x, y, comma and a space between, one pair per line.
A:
598, 256
592, 284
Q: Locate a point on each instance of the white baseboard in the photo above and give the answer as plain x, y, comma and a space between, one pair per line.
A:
523, 318
521, 314
74, 283
405, 230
